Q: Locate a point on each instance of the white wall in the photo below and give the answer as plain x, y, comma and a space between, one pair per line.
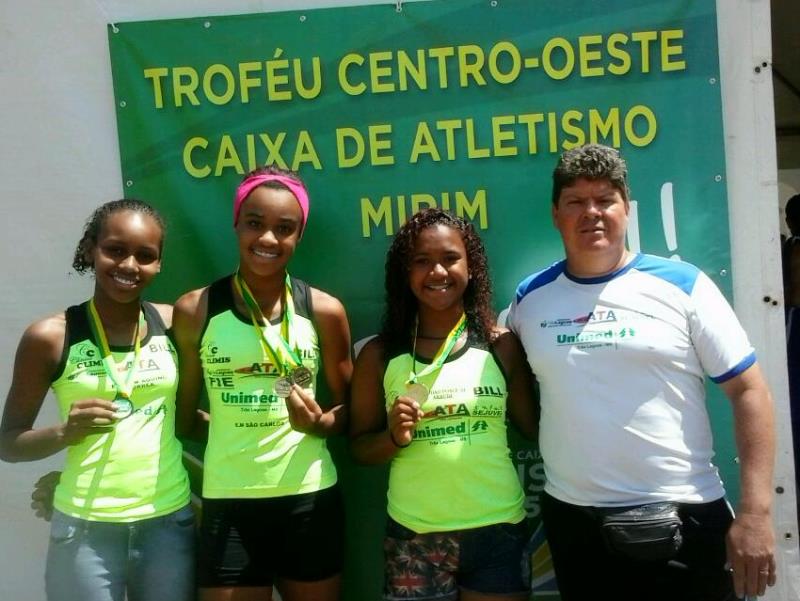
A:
59, 160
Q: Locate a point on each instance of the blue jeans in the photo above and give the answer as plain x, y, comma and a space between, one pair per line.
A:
150, 560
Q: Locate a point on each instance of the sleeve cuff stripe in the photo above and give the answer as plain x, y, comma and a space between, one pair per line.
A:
736, 369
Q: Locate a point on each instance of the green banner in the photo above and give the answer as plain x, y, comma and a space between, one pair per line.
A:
460, 104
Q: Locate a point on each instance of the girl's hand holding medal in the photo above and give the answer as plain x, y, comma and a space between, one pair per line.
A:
403, 418
87, 416
304, 411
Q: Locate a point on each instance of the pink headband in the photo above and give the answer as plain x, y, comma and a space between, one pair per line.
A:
254, 181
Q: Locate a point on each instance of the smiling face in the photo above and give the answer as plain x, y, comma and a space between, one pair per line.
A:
438, 273
268, 230
592, 217
127, 255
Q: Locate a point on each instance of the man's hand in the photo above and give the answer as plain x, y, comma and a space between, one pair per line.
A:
751, 554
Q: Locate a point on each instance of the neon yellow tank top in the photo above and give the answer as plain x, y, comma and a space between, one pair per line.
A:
135, 471
457, 472
252, 450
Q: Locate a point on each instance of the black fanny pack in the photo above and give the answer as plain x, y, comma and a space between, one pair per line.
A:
649, 532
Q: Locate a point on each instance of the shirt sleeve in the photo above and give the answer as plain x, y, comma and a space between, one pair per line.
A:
719, 339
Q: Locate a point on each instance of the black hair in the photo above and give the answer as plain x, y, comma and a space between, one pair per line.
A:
402, 305
792, 209
591, 161
81, 262
273, 170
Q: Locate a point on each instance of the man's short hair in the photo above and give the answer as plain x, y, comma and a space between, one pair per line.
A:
591, 161
792, 209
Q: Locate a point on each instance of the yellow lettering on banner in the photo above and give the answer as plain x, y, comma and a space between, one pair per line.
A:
467, 67
228, 157
208, 86
305, 152
316, 87
424, 144
494, 59
343, 134
441, 55
275, 79
344, 82
370, 214
668, 50
624, 64
551, 128
650, 119
644, 38
423, 201
473, 208
609, 126
530, 120
184, 83
191, 168
273, 148
587, 55
157, 74
391, 215
378, 142
377, 72
449, 126
547, 58
418, 72
500, 135
569, 128
251, 152
473, 152
509, 135
246, 82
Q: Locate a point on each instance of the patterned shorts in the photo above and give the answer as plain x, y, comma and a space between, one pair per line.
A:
490, 560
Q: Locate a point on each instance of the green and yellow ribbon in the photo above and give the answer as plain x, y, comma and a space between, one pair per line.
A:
124, 388
441, 355
276, 342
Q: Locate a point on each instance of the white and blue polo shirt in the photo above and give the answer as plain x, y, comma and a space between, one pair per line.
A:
621, 361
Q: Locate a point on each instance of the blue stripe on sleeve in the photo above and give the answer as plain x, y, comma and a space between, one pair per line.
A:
737, 369
539, 279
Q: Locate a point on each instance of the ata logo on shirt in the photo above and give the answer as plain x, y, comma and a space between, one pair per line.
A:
256, 370
596, 316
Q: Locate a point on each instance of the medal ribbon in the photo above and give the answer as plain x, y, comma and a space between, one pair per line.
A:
124, 389
275, 341
443, 352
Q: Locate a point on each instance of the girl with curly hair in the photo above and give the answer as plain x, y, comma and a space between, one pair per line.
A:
122, 527
431, 395
272, 511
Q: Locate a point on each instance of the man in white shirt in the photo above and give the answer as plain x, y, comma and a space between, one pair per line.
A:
620, 344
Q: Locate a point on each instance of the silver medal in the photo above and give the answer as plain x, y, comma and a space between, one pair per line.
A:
282, 387
302, 376
123, 407
417, 391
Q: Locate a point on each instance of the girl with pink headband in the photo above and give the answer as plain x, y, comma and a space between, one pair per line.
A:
255, 339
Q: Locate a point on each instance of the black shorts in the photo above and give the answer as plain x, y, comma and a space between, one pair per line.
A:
251, 542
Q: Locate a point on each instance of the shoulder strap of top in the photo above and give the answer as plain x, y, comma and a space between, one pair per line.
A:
220, 297
301, 292
77, 330
155, 324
